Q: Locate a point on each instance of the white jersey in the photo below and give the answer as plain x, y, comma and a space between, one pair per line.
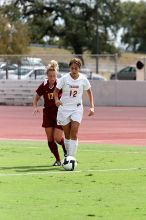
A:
72, 90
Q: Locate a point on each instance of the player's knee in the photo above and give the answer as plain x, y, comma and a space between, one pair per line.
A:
74, 134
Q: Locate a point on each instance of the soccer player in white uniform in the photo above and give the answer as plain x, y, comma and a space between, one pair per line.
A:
70, 107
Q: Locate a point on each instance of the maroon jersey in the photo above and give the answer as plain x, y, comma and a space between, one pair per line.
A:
50, 109
47, 93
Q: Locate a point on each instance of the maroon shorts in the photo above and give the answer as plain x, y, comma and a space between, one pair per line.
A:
50, 119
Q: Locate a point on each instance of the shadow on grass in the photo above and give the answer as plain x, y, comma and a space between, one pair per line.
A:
26, 169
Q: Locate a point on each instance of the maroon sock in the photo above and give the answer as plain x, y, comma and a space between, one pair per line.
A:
54, 149
63, 145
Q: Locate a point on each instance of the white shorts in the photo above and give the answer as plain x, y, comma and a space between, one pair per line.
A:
64, 116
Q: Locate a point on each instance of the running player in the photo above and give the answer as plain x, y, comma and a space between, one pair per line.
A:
70, 107
53, 131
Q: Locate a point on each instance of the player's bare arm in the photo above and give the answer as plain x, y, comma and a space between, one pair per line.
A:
35, 104
91, 100
57, 101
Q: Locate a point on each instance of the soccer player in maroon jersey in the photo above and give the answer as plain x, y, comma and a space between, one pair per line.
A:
53, 131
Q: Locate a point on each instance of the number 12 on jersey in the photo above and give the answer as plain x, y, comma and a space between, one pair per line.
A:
73, 93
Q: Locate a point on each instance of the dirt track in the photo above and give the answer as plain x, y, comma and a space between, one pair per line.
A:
117, 125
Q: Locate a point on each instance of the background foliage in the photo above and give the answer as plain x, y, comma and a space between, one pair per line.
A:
91, 25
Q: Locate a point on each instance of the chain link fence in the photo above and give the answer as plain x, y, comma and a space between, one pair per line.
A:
103, 66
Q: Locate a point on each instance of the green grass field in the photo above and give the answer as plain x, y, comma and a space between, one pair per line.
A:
108, 184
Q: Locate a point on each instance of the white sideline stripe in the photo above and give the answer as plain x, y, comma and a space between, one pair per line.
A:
82, 141
31, 139
98, 141
78, 171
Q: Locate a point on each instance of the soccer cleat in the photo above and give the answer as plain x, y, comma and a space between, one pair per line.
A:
57, 163
64, 160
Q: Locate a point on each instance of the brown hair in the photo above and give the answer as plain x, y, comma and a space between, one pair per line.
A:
77, 61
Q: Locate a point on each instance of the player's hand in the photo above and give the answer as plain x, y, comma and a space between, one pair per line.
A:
91, 112
58, 103
36, 111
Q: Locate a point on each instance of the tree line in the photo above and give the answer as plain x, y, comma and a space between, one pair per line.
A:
81, 25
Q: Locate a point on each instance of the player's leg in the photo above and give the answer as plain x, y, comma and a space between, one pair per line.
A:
52, 145
48, 124
74, 138
76, 119
66, 129
58, 137
63, 119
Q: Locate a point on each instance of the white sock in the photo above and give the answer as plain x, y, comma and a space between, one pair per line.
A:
73, 147
67, 145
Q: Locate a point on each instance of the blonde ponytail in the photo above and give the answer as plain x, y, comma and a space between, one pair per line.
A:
53, 65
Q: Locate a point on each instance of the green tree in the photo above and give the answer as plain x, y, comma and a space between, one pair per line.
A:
72, 22
14, 37
134, 26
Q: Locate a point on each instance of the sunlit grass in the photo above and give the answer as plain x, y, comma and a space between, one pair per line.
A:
109, 183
